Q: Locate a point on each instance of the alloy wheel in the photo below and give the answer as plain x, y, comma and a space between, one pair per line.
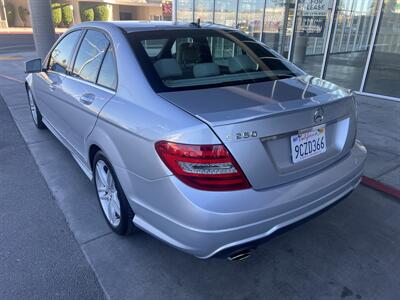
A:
107, 193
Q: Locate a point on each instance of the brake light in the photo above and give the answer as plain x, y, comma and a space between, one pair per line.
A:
204, 167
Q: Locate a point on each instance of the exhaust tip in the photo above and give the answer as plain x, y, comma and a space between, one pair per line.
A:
241, 255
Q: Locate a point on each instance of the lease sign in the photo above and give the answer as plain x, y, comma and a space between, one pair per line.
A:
314, 8
314, 14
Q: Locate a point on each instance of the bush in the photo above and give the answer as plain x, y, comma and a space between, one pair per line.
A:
67, 15
10, 12
87, 14
101, 12
23, 14
57, 14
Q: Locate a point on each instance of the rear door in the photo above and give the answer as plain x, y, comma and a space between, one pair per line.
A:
90, 85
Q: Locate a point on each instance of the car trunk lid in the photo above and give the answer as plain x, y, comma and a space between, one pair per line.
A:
256, 122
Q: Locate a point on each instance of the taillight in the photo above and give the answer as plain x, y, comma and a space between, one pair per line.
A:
204, 167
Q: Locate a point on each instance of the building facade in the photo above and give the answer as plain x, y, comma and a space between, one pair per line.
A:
354, 43
117, 10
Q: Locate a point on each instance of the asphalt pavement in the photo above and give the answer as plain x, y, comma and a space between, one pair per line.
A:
39, 257
349, 252
12, 43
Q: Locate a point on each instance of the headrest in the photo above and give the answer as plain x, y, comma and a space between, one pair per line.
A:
206, 69
241, 63
188, 53
167, 67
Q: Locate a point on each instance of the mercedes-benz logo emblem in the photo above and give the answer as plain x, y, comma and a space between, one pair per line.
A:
319, 115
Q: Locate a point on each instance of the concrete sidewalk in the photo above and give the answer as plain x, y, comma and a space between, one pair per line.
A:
379, 131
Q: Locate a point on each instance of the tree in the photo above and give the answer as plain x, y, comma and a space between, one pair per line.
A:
87, 13
67, 15
56, 13
10, 11
42, 25
101, 12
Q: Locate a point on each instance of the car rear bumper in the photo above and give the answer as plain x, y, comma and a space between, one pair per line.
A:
207, 223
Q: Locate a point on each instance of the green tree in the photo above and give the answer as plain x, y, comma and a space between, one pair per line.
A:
67, 15
87, 13
101, 12
57, 14
10, 11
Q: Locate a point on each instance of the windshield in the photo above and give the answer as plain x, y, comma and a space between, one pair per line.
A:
198, 58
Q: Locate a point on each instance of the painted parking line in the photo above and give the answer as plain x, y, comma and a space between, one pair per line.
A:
11, 78
379, 186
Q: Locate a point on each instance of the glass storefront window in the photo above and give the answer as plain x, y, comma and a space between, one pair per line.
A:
278, 24
250, 17
351, 33
384, 70
225, 12
310, 37
184, 12
204, 10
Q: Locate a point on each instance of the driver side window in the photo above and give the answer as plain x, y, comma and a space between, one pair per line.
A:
61, 55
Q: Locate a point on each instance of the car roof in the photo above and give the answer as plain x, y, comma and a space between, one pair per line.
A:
136, 26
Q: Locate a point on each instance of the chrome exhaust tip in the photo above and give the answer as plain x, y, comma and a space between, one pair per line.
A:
241, 255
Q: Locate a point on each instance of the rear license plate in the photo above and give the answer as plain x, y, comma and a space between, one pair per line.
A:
308, 143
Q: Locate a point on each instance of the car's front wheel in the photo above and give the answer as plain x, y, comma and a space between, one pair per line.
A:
35, 113
113, 202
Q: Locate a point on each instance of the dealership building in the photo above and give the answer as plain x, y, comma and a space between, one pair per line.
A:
354, 43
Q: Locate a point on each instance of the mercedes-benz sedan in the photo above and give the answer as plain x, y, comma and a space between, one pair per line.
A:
197, 134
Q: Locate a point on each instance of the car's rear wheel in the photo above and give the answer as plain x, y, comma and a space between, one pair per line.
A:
113, 202
35, 113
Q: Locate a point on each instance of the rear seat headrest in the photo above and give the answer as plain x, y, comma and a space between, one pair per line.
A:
241, 63
206, 69
167, 67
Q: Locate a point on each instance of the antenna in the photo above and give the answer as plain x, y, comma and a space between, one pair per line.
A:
197, 23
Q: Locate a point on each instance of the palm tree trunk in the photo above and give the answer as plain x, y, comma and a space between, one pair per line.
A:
42, 25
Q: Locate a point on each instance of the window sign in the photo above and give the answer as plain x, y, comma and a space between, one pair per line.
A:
314, 17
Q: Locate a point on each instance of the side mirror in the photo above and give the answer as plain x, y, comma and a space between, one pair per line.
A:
33, 66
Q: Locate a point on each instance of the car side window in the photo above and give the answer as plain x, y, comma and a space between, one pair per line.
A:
108, 71
90, 55
61, 55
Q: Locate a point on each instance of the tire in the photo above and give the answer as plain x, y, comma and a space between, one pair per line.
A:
112, 200
35, 112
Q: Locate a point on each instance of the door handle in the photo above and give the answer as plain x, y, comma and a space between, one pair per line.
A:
87, 99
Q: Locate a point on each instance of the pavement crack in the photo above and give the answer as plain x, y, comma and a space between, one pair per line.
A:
95, 238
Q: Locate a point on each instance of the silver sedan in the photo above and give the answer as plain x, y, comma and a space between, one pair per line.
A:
197, 134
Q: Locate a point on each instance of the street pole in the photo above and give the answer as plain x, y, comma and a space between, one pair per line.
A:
174, 8
42, 26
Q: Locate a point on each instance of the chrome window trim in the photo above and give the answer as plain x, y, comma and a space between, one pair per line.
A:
110, 44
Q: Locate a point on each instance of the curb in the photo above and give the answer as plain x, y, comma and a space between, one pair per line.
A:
21, 32
376, 185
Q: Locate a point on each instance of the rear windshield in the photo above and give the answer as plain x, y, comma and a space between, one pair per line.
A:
199, 58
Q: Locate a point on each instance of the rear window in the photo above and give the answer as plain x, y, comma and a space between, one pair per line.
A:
198, 58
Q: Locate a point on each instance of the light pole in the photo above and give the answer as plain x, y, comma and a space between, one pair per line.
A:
42, 25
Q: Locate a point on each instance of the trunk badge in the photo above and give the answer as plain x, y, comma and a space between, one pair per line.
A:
319, 115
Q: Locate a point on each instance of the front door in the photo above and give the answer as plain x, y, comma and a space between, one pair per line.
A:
49, 84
